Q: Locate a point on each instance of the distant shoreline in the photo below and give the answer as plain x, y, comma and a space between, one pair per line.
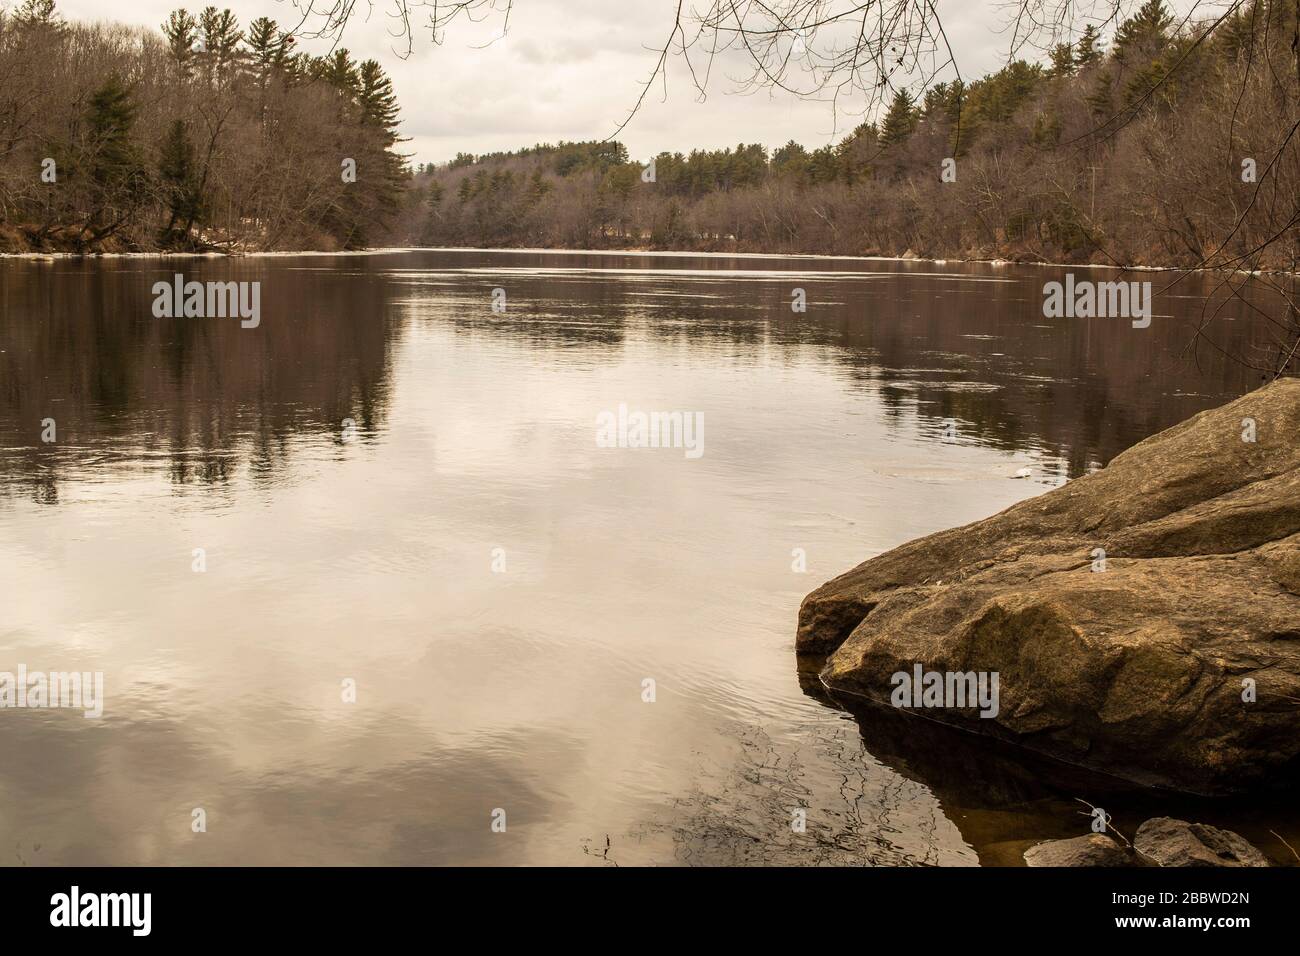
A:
658, 253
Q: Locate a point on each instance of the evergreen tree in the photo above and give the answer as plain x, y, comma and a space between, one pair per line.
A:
1100, 99
900, 120
1088, 50
1237, 34
179, 178
539, 186
115, 173
996, 97
377, 101
938, 102
790, 159
340, 72
267, 46
37, 14
1063, 62
221, 35
1047, 130
823, 165
181, 31
1144, 33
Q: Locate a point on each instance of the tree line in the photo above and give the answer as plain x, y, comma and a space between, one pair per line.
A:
1165, 143
203, 135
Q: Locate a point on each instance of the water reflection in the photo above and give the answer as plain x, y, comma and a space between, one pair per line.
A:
521, 688
1004, 800
198, 397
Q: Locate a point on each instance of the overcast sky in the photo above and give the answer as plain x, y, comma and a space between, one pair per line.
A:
571, 69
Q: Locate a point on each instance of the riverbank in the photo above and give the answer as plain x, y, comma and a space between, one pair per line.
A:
1134, 621
633, 250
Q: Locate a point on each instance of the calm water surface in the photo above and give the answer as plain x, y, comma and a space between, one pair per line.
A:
520, 688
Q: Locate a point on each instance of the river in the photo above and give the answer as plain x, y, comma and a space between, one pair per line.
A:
366, 587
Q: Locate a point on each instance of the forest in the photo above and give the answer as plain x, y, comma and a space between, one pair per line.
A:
1160, 142
201, 136
1145, 147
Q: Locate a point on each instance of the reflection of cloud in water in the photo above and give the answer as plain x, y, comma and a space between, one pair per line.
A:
122, 794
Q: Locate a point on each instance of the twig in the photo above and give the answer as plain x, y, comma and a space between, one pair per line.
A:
1110, 827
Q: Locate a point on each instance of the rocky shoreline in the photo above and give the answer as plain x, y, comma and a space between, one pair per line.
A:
1161, 841
1142, 621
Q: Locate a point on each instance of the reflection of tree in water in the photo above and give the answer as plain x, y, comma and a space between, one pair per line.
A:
931, 341
80, 344
934, 342
198, 398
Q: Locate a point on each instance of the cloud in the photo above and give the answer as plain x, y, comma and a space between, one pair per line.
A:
572, 69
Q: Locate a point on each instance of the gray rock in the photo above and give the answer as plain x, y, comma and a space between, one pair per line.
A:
1095, 849
1165, 841
1139, 669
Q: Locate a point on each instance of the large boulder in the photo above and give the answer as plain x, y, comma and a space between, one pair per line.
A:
1095, 849
1165, 841
1172, 659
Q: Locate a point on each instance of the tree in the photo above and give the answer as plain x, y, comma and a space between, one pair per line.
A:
539, 187
178, 177
115, 172
1100, 99
1144, 33
264, 42
899, 121
791, 158
268, 47
1088, 49
35, 14
1062, 59
823, 165
340, 71
221, 36
181, 31
377, 100
250, 151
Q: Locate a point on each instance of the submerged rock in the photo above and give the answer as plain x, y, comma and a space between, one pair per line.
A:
1095, 849
1165, 841
1143, 620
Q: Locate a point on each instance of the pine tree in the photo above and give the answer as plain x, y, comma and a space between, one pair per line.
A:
266, 44
1237, 34
36, 15
1146, 32
1063, 61
221, 35
116, 175
340, 72
1047, 130
377, 101
1101, 99
537, 187
181, 31
937, 102
1088, 50
899, 121
823, 165
179, 178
